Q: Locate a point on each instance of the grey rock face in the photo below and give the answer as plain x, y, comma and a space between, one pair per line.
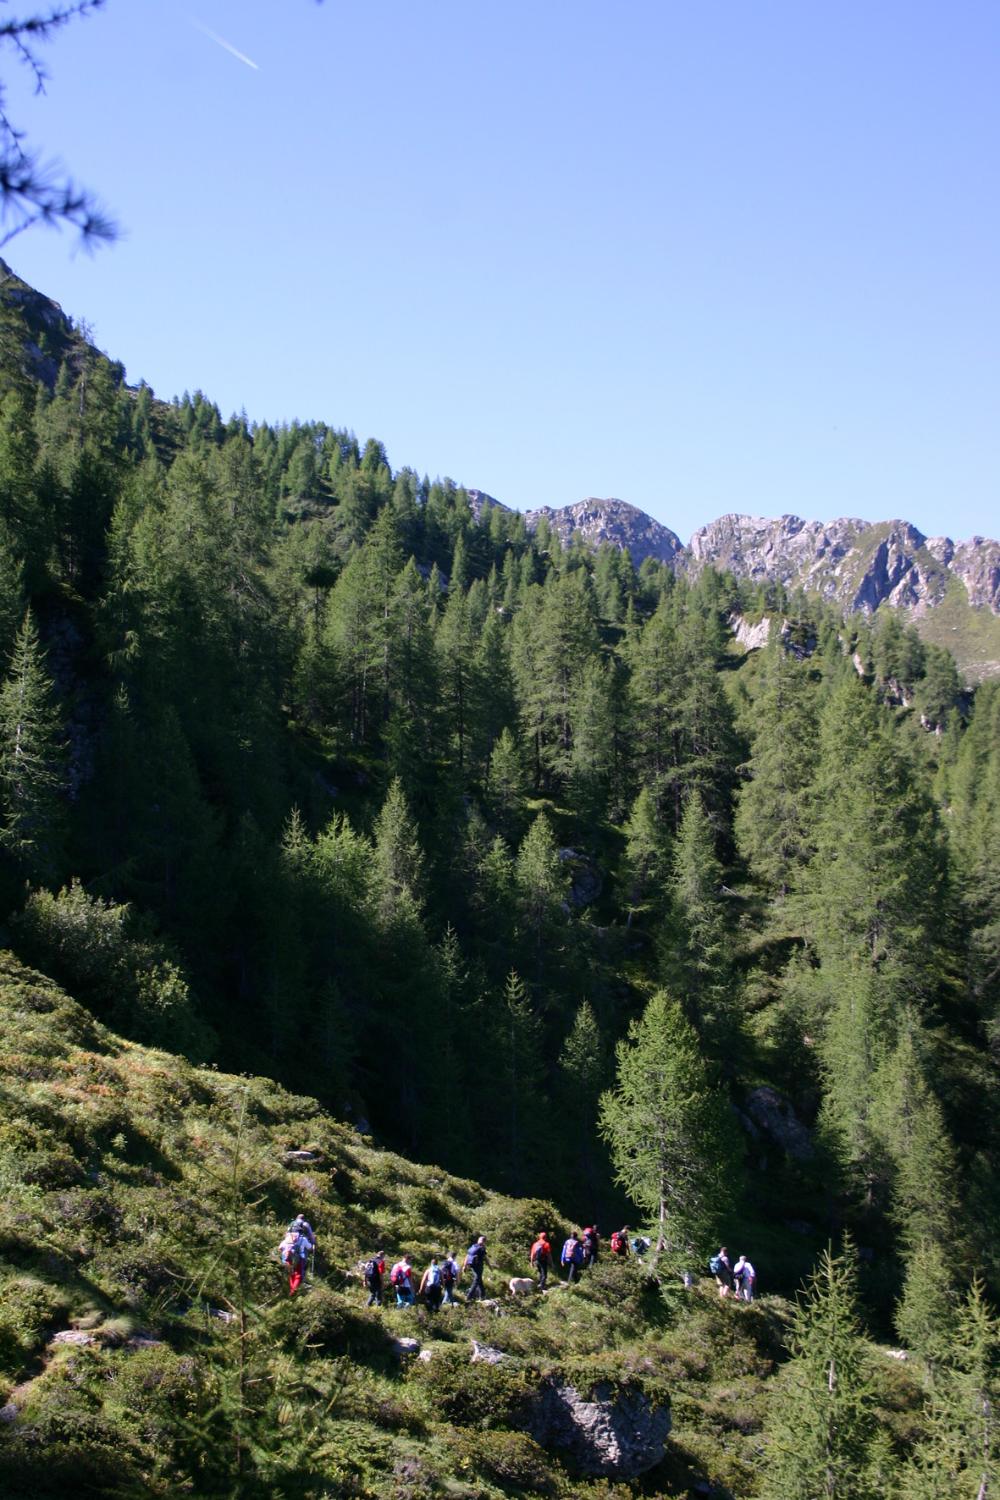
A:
586, 881
613, 521
751, 637
857, 564
774, 1117
616, 1432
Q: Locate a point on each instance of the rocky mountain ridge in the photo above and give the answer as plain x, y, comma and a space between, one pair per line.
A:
858, 564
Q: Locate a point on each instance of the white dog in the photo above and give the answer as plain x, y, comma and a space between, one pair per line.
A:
519, 1285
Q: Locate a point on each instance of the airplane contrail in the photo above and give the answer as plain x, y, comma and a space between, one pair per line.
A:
226, 46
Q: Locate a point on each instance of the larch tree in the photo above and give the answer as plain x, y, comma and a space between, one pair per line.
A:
669, 1129
821, 1421
697, 944
958, 1458
772, 818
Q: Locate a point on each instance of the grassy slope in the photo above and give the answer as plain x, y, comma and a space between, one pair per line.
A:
138, 1190
971, 635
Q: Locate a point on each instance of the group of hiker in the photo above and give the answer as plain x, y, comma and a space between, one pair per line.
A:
439, 1281
732, 1280
437, 1284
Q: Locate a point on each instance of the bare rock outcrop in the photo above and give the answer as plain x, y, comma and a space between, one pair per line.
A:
613, 1431
773, 1116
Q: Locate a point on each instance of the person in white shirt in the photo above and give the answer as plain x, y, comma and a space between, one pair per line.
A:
744, 1276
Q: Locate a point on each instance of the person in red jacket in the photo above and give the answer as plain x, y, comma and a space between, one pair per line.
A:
619, 1242
541, 1257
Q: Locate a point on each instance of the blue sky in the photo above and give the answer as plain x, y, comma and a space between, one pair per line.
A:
736, 255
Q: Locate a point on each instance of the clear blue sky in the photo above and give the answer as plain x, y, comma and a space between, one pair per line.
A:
719, 255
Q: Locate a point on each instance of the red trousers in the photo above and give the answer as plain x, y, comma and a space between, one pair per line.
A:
295, 1277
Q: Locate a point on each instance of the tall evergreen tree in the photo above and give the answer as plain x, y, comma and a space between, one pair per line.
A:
668, 1128
697, 944
822, 1419
773, 815
32, 761
958, 1456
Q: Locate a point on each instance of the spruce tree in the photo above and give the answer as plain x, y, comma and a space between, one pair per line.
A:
32, 759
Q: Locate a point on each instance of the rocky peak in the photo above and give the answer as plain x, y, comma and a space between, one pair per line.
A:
613, 521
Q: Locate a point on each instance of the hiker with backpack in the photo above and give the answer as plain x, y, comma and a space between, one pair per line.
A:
572, 1258
401, 1279
591, 1242
374, 1272
541, 1257
744, 1276
619, 1243
293, 1253
475, 1261
301, 1225
449, 1276
722, 1270
430, 1286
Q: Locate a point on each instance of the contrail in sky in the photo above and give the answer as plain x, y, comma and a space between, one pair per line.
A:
226, 46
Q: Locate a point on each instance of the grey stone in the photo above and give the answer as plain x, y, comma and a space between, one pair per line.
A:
486, 1354
406, 1348
774, 1116
586, 880
616, 1433
73, 1336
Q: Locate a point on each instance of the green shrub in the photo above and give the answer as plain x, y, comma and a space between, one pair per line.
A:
475, 1395
328, 1322
509, 1458
29, 1311
111, 958
511, 1224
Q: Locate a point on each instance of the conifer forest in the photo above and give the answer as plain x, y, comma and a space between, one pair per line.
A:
504, 856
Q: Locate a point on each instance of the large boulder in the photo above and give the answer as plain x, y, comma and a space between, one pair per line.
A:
586, 880
774, 1117
616, 1431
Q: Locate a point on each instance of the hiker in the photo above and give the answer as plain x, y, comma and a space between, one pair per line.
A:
640, 1245
744, 1276
430, 1285
619, 1243
449, 1276
572, 1258
475, 1261
294, 1252
374, 1272
541, 1257
301, 1225
401, 1277
591, 1241
721, 1269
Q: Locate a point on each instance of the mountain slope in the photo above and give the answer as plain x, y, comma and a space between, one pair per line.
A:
148, 1345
